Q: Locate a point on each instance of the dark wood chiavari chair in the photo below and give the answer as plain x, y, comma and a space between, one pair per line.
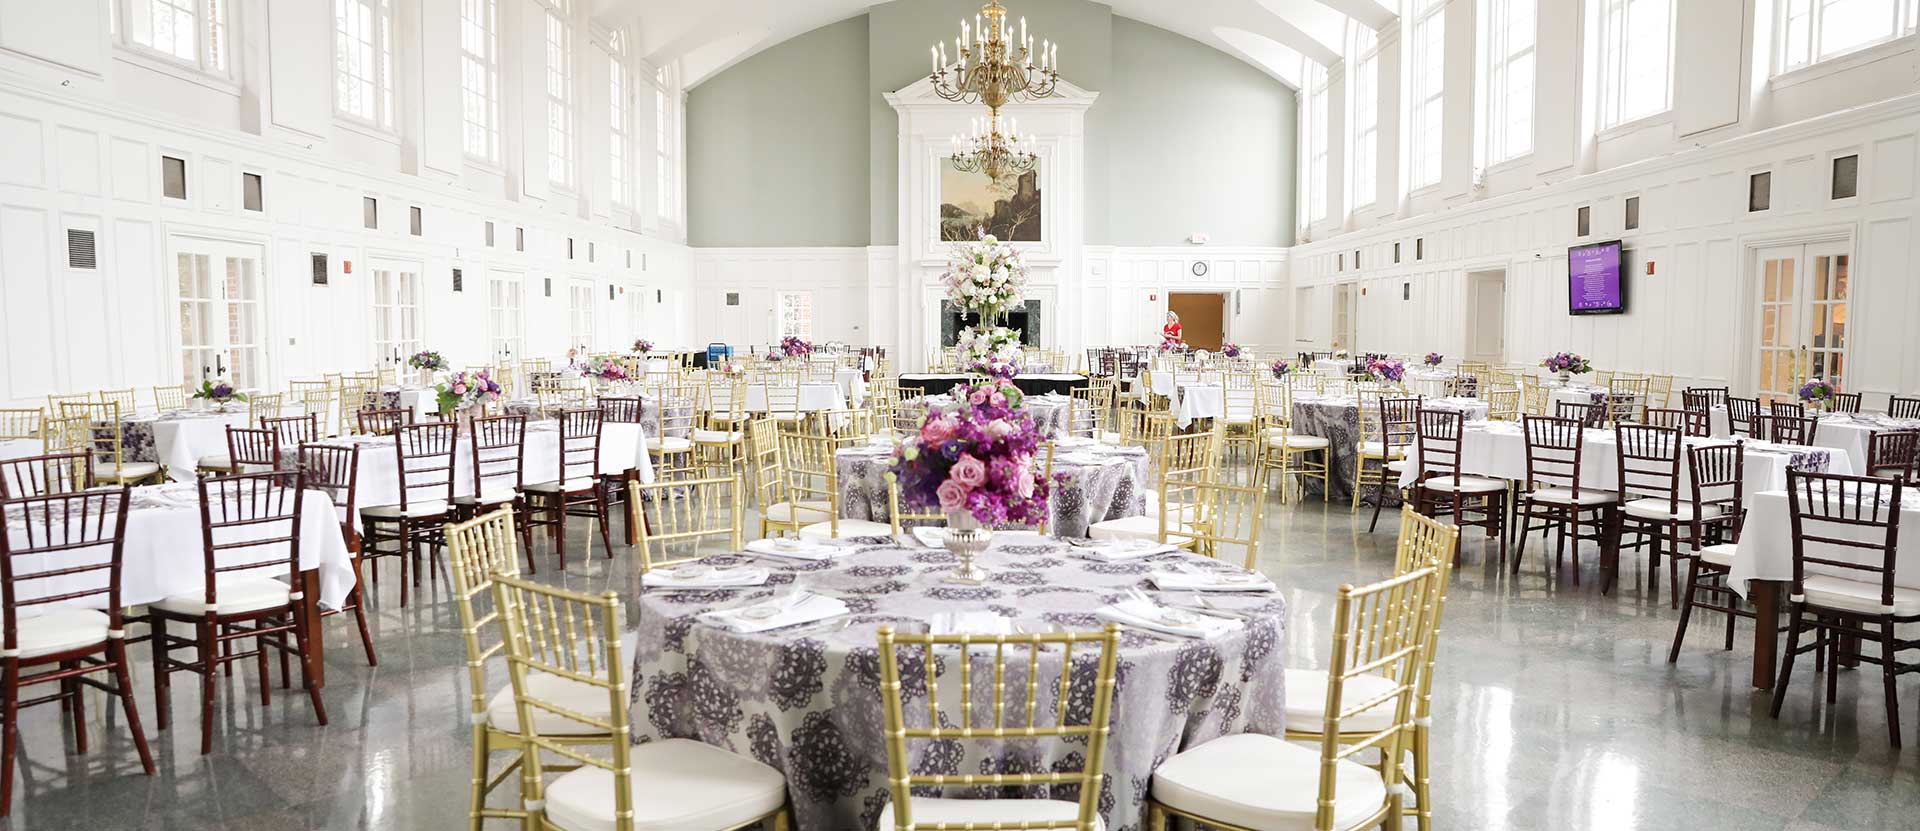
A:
383, 422
240, 519
498, 447
1790, 429
1900, 407
1589, 415
1894, 453
1399, 423
629, 410
1704, 398
45, 474
1847, 525
294, 430
1793, 409
426, 470
1697, 423
1743, 417
1649, 470
1844, 402
576, 484
1553, 493
1442, 480
1718, 474
73, 541
335, 471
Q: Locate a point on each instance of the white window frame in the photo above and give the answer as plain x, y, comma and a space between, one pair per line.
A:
396, 298
375, 36
619, 120
1363, 79
1618, 57
793, 314
1901, 15
666, 140
480, 79
211, 28
1319, 89
506, 299
1511, 74
561, 98
1426, 121
580, 314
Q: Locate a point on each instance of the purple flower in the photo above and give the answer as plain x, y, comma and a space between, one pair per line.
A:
1281, 368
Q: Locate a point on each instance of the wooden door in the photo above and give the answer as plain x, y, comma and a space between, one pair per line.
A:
1203, 318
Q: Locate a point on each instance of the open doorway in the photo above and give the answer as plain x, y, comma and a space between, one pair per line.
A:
1203, 318
1487, 312
1346, 318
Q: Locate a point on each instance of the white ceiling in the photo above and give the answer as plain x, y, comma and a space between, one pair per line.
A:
710, 35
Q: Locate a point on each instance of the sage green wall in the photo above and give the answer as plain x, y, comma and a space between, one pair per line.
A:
1183, 138
1197, 141
777, 145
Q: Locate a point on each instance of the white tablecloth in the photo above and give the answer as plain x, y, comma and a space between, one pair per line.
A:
815, 396
180, 440
1199, 401
424, 402
1766, 544
164, 556
1334, 368
1845, 433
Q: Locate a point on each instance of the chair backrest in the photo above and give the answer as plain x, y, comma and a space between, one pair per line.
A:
1660, 390
620, 410
1690, 422
770, 477
168, 399
807, 458
73, 542
683, 514
1554, 446
1087, 408
576, 637
1743, 416
1893, 453
1591, 415
1399, 422
1844, 402
425, 453
264, 405
294, 430
1791, 429
1718, 474
1440, 438
383, 422
103, 429
1703, 398
126, 398
250, 522
1626, 397
1902, 407
1649, 459
674, 410
1231, 516
1147, 428
1503, 403
1537, 398
253, 448
22, 422
45, 474
991, 712
1426, 542
477, 550
579, 445
1783, 407
726, 402
335, 470
56, 403
499, 448
1845, 524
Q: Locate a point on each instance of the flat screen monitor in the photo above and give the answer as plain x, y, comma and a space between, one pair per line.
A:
1595, 284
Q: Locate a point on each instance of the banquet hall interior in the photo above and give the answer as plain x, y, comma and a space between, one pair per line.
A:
897, 415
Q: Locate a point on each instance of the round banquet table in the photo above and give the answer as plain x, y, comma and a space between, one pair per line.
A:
1337, 419
1031, 384
808, 703
1049, 411
1091, 485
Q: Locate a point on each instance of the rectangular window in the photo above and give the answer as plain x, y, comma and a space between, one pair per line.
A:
489, 234
369, 212
1759, 192
503, 305
173, 177
559, 93
796, 314
580, 308
1846, 177
519, 239
413, 220
1364, 79
1636, 59
1428, 121
618, 131
1583, 221
396, 313
480, 79
1396, 253
1508, 49
191, 32
1633, 213
1810, 31
251, 196
363, 60
1317, 130
665, 138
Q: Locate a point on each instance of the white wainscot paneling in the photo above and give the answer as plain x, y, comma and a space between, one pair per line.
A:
837, 279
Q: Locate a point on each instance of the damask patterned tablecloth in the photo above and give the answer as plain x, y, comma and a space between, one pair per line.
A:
1337, 419
1091, 485
807, 701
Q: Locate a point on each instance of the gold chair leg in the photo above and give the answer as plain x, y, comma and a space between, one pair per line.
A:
1422, 793
783, 820
1156, 817
478, 800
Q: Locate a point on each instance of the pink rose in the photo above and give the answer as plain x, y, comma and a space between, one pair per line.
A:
936, 431
978, 398
953, 496
459, 389
1023, 481
969, 471
997, 400
999, 428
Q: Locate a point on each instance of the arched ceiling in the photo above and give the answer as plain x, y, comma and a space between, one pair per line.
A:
710, 35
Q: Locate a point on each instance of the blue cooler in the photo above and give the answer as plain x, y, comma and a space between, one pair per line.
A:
718, 352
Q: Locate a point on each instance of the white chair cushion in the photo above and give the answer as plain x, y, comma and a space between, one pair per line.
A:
1721, 555
237, 592
1307, 702
585, 699
788, 417
1258, 781
1564, 496
670, 444
570, 486
1856, 596
491, 495
806, 511
1398, 465
1109, 437
1657, 509
716, 436
848, 528
1463, 484
677, 784
414, 511
1186, 512
1298, 442
218, 461
986, 812
128, 470
1376, 450
59, 629
1139, 528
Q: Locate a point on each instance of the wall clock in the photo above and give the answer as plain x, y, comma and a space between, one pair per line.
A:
1199, 268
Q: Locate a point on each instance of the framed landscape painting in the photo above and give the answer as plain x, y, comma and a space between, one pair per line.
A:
1009, 209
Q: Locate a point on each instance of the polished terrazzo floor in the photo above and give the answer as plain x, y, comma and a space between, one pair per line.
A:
1555, 709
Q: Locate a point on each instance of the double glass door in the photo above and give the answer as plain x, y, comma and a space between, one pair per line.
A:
396, 313
221, 323
1802, 297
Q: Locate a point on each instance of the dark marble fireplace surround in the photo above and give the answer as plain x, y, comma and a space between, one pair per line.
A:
1027, 320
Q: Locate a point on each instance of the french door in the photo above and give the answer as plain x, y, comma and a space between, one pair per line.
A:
396, 312
580, 310
508, 330
221, 323
1801, 299
1344, 317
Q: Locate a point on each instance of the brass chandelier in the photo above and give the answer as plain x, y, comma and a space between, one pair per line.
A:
994, 68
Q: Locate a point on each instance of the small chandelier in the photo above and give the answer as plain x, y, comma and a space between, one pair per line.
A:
994, 68
987, 150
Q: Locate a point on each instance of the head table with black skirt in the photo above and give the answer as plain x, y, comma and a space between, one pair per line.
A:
1029, 383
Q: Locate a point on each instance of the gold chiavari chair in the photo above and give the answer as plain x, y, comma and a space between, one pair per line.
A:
355, 395
22, 423
1603, 377
481, 549
682, 515
1377, 447
1503, 403
386, 376
299, 391
778, 512
1293, 456
102, 431
1380, 638
813, 480
909, 810
55, 402
1241, 391
673, 413
126, 398
263, 405
1659, 391
564, 659
782, 395
556, 395
319, 404
1144, 428
1176, 501
1538, 400
1234, 515
899, 516
719, 439
169, 399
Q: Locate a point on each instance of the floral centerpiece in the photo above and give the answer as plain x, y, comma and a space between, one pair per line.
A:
977, 460
462, 391
642, 346
986, 276
1817, 392
1171, 345
1230, 349
733, 368
428, 362
793, 347
1435, 359
993, 352
1340, 354
1281, 368
606, 372
218, 392
1567, 364
1386, 369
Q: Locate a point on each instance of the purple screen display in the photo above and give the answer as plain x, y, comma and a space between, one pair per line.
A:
1593, 278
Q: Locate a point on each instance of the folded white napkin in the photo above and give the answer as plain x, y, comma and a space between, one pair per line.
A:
706, 577
1135, 611
1080, 459
970, 622
1120, 551
786, 610
805, 550
1185, 577
930, 536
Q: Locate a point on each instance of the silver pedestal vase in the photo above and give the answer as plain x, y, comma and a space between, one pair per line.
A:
967, 540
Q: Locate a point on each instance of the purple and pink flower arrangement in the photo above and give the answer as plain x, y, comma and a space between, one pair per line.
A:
466, 388
429, 360
1230, 349
219, 392
976, 456
1435, 359
1568, 362
643, 346
1281, 368
793, 347
1386, 369
1817, 389
606, 371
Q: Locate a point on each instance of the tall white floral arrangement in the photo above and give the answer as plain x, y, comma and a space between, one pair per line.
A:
993, 350
987, 277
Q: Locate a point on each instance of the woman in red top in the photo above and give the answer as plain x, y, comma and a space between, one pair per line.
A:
1171, 331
